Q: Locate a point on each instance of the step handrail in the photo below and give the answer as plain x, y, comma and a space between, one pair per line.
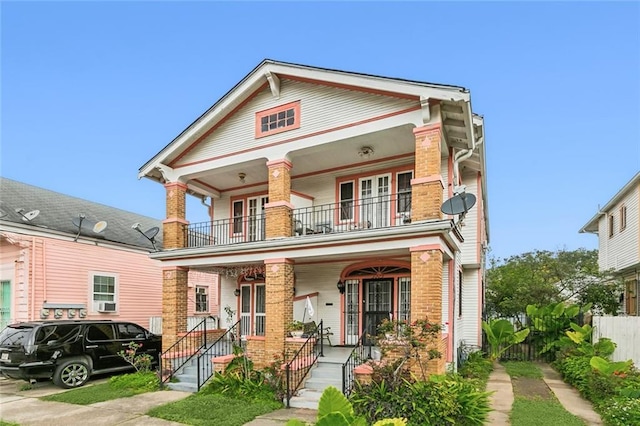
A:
224, 345
356, 358
191, 343
304, 358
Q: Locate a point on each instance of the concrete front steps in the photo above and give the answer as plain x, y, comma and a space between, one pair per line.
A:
327, 372
186, 378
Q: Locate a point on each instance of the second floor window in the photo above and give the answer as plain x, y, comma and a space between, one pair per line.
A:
623, 218
611, 226
278, 119
238, 211
346, 200
404, 192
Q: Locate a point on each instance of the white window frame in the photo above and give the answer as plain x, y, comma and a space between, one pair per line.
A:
94, 303
202, 290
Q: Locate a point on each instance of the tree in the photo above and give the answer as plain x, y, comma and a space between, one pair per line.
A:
542, 277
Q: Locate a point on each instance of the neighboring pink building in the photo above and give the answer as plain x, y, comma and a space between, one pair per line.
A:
51, 268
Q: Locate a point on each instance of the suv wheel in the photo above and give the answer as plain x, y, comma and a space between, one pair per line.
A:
71, 373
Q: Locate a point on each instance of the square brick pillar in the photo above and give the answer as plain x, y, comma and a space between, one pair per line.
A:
174, 304
427, 186
279, 305
426, 295
173, 227
278, 209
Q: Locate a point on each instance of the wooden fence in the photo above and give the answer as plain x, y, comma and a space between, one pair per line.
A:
155, 323
624, 332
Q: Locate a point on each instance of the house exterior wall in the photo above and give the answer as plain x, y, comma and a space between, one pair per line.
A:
622, 249
55, 271
322, 108
470, 228
209, 281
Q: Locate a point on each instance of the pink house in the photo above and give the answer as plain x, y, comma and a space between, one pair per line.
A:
66, 258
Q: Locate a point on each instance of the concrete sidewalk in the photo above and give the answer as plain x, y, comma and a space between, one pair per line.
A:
24, 408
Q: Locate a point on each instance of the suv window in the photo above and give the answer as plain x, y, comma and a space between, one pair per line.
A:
60, 333
99, 332
130, 331
15, 336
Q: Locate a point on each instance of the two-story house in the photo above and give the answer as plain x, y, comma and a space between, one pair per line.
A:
63, 257
329, 185
617, 225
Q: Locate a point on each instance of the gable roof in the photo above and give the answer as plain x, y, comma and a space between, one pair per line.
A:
58, 210
268, 72
592, 225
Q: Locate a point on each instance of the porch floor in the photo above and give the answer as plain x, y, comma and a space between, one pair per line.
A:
335, 354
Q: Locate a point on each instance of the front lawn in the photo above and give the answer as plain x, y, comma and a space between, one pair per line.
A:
117, 387
213, 409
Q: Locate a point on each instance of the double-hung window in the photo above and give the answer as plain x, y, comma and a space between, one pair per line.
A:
103, 288
238, 213
202, 299
403, 190
346, 200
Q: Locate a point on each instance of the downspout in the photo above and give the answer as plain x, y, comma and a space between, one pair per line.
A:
465, 153
203, 200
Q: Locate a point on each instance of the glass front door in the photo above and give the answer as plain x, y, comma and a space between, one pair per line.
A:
352, 314
256, 218
378, 303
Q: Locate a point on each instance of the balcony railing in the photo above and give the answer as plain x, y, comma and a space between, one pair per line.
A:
345, 216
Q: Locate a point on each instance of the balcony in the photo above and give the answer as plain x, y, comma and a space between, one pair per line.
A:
335, 218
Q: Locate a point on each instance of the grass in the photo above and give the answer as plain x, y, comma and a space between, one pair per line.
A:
122, 386
538, 412
213, 409
522, 369
3, 423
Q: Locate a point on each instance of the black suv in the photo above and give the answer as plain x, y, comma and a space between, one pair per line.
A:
71, 351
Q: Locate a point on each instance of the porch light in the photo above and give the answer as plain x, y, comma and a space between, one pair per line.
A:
236, 292
340, 286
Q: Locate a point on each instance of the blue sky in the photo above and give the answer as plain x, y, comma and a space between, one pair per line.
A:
92, 90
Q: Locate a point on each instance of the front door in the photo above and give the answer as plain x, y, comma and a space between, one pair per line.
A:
378, 303
245, 310
374, 198
256, 218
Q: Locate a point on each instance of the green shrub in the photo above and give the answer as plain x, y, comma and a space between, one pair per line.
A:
442, 400
621, 411
142, 381
477, 366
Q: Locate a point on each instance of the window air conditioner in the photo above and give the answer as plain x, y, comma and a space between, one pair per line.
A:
106, 307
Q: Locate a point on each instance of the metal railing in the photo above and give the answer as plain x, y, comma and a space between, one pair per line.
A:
224, 345
302, 361
182, 351
358, 356
334, 218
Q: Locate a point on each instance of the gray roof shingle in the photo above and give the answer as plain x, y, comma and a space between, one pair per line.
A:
57, 211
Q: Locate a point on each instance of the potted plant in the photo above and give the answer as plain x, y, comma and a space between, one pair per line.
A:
296, 328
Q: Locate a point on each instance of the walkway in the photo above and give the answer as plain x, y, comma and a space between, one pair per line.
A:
502, 399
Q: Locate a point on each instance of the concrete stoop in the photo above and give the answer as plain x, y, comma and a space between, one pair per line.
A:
322, 375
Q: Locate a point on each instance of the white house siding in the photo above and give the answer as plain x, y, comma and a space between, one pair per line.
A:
470, 307
321, 108
445, 297
228, 299
470, 228
621, 250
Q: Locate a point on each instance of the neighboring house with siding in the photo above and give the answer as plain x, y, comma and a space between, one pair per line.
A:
617, 225
329, 184
49, 270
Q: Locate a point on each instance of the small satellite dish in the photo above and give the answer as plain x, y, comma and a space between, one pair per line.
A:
152, 232
29, 216
100, 226
458, 204
96, 227
149, 234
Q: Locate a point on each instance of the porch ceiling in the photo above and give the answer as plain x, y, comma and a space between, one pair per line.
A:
395, 145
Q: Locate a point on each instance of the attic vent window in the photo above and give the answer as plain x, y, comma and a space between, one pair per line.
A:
278, 119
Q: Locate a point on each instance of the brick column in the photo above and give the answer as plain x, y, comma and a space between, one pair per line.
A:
427, 186
426, 294
279, 305
174, 304
278, 210
173, 235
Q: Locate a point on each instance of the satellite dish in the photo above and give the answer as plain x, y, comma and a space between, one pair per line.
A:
149, 234
96, 227
100, 226
458, 204
29, 216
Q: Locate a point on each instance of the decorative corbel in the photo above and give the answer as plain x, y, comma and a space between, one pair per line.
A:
426, 112
168, 174
274, 84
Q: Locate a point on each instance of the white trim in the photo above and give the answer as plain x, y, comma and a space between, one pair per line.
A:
91, 304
